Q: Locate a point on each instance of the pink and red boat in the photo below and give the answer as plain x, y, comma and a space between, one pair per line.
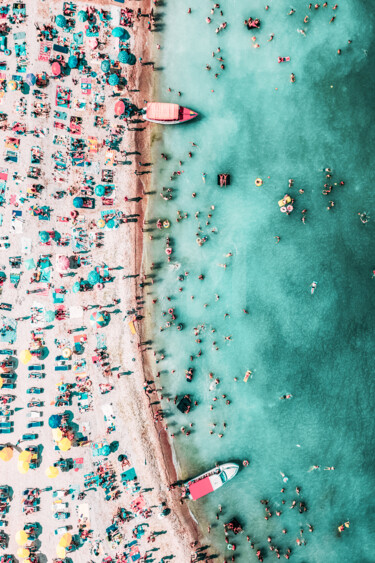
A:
167, 114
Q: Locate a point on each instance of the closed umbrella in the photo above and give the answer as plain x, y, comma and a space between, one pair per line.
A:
73, 61
25, 456
118, 32
113, 80
105, 66
99, 190
52, 471
60, 21
21, 537
76, 287
93, 277
25, 357
57, 434
6, 454
44, 236
56, 68
54, 421
60, 551
30, 79
65, 540
23, 467
23, 552
64, 445
119, 107
64, 262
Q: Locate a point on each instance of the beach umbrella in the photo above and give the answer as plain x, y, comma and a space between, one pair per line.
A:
93, 42
57, 434
67, 353
100, 224
76, 288
25, 456
21, 537
60, 551
44, 236
25, 357
23, 467
119, 107
118, 32
123, 57
12, 85
73, 61
65, 540
1, 382
106, 450
78, 202
64, 263
100, 319
54, 421
113, 80
30, 79
60, 20
105, 66
82, 16
52, 471
56, 68
23, 552
99, 190
110, 224
49, 316
93, 277
6, 454
64, 445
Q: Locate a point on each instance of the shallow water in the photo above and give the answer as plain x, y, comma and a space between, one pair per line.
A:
319, 348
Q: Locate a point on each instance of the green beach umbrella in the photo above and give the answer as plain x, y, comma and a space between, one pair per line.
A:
99, 190
76, 287
82, 16
73, 61
44, 236
49, 316
60, 21
117, 32
113, 80
93, 277
105, 66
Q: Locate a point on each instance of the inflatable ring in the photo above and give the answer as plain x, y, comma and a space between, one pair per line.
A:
170, 311
88, 383
199, 241
245, 463
258, 182
166, 224
283, 209
74, 214
289, 208
100, 285
168, 251
7, 51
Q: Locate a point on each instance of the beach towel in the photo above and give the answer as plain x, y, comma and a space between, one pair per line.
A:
44, 50
86, 86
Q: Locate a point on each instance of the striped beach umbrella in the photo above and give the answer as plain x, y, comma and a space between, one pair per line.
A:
100, 319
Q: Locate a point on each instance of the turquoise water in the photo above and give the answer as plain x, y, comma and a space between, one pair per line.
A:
317, 347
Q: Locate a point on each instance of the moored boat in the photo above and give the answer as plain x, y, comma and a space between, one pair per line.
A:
210, 480
167, 114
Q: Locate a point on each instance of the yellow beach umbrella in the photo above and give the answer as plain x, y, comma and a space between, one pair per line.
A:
52, 471
25, 456
60, 551
65, 444
65, 540
12, 85
23, 467
21, 537
23, 552
25, 356
57, 434
67, 353
6, 453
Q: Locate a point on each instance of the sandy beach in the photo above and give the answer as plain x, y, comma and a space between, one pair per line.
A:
122, 416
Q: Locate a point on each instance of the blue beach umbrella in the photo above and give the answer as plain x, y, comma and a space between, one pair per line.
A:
54, 421
123, 57
93, 277
99, 190
110, 224
106, 450
73, 61
30, 79
113, 80
132, 60
60, 21
76, 287
49, 316
118, 32
82, 16
78, 202
44, 236
105, 66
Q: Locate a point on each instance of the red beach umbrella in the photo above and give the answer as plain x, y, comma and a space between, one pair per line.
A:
56, 68
119, 107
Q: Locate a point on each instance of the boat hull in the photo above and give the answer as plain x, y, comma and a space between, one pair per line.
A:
185, 114
211, 480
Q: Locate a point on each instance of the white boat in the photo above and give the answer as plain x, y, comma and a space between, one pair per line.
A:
167, 114
211, 480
